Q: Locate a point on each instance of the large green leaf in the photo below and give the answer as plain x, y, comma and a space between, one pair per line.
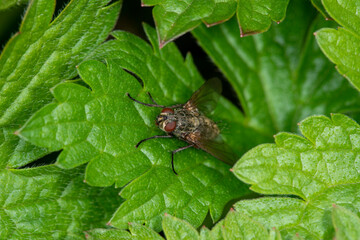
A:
102, 125
341, 46
322, 168
174, 18
280, 76
51, 203
43, 53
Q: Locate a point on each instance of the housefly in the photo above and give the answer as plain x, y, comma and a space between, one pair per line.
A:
189, 122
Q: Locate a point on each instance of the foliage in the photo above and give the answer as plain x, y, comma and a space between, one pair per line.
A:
51, 203
281, 77
42, 54
174, 18
341, 46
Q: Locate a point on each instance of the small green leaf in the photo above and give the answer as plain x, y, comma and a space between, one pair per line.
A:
309, 219
341, 45
173, 18
334, 43
176, 229
256, 16
239, 226
223, 11
137, 232
105, 234
346, 223
43, 53
305, 167
322, 168
140, 232
51, 203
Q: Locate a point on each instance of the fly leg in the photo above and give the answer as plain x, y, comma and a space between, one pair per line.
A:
172, 106
178, 150
158, 136
146, 104
152, 98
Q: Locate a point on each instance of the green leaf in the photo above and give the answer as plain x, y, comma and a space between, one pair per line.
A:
345, 13
174, 18
280, 76
137, 231
176, 229
105, 234
256, 16
346, 223
102, 126
322, 169
5, 4
341, 45
51, 203
42, 54
309, 219
239, 226
223, 11
334, 44
319, 6
305, 166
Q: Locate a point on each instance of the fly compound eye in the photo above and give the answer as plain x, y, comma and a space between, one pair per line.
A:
170, 126
167, 110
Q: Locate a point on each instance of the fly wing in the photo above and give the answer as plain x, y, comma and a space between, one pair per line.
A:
206, 97
219, 149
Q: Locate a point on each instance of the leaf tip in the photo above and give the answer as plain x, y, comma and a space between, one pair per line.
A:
278, 22
231, 170
17, 132
315, 34
108, 223
232, 210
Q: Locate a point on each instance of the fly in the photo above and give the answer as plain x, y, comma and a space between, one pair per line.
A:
189, 122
